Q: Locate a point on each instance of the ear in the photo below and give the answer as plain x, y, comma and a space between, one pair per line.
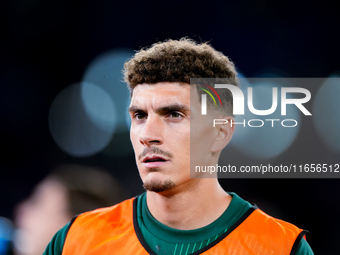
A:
223, 133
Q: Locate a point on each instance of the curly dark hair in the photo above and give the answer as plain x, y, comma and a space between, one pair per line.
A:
178, 61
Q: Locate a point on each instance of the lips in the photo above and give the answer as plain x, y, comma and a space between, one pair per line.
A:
154, 161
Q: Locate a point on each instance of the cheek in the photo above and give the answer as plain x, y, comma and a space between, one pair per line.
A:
200, 147
133, 137
181, 147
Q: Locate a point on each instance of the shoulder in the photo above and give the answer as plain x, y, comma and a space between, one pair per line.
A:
261, 218
273, 230
280, 231
261, 233
114, 214
110, 214
98, 229
303, 248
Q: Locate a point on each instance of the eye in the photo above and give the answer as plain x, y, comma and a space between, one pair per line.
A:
139, 116
175, 115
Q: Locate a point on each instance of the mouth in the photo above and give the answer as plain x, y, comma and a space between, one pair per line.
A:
154, 161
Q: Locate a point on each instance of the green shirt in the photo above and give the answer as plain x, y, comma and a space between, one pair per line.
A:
165, 240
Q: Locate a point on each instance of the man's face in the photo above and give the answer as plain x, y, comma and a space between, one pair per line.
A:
40, 216
160, 134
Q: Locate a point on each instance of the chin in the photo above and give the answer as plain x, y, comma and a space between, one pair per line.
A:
159, 186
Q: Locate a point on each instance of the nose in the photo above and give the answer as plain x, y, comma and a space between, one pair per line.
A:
151, 133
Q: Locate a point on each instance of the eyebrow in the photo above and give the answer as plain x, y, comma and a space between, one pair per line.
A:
134, 108
163, 109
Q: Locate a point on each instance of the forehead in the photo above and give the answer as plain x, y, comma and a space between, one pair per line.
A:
161, 93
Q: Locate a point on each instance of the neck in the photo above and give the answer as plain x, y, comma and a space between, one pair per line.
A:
193, 208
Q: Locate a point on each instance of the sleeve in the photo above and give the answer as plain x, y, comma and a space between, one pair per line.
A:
55, 247
304, 248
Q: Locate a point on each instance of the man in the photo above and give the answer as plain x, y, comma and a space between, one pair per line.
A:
68, 190
178, 214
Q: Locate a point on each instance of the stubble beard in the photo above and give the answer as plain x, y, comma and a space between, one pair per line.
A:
159, 186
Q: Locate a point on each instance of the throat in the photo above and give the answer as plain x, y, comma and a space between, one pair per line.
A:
182, 211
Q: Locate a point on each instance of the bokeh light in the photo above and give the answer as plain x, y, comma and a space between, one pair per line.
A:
6, 232
326, 112
82, 119
106, 72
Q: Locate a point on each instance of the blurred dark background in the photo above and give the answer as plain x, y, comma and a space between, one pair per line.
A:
49, 46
